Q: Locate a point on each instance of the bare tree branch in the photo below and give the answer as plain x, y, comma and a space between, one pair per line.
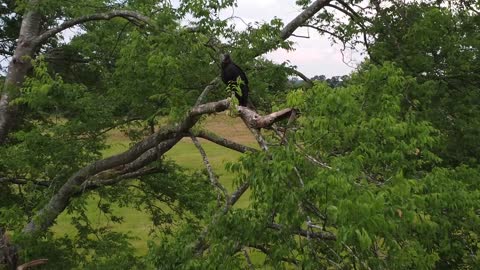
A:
324, 31
207, 89
349, 11
223, 141
301, 75
127, 14
18, 68
211, 174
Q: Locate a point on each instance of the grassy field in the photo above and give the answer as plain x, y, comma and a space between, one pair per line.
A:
138, 224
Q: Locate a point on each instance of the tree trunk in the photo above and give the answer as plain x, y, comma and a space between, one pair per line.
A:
18, 68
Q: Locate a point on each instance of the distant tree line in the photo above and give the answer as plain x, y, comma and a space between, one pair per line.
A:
334, 81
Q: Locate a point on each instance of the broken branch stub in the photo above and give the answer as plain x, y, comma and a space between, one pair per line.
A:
257, 121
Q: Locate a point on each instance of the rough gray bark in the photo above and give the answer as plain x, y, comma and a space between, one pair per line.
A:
18, 68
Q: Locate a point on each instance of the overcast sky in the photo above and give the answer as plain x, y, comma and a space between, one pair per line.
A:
313, 56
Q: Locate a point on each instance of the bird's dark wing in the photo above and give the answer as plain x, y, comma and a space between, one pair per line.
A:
229, 73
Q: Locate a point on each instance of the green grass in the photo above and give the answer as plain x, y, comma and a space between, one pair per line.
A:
137, 224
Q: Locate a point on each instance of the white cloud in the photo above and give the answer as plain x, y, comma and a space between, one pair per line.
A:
313, 56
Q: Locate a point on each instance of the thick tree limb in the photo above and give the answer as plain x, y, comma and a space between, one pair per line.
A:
127, 14
45, 217
149, 156
308, 13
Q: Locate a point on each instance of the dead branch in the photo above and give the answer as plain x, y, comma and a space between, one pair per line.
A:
211, 174
223, 141
254, 120
206, 90
301, 75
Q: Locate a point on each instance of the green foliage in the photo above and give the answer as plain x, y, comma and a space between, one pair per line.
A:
381, 198
395, 181
438, 45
